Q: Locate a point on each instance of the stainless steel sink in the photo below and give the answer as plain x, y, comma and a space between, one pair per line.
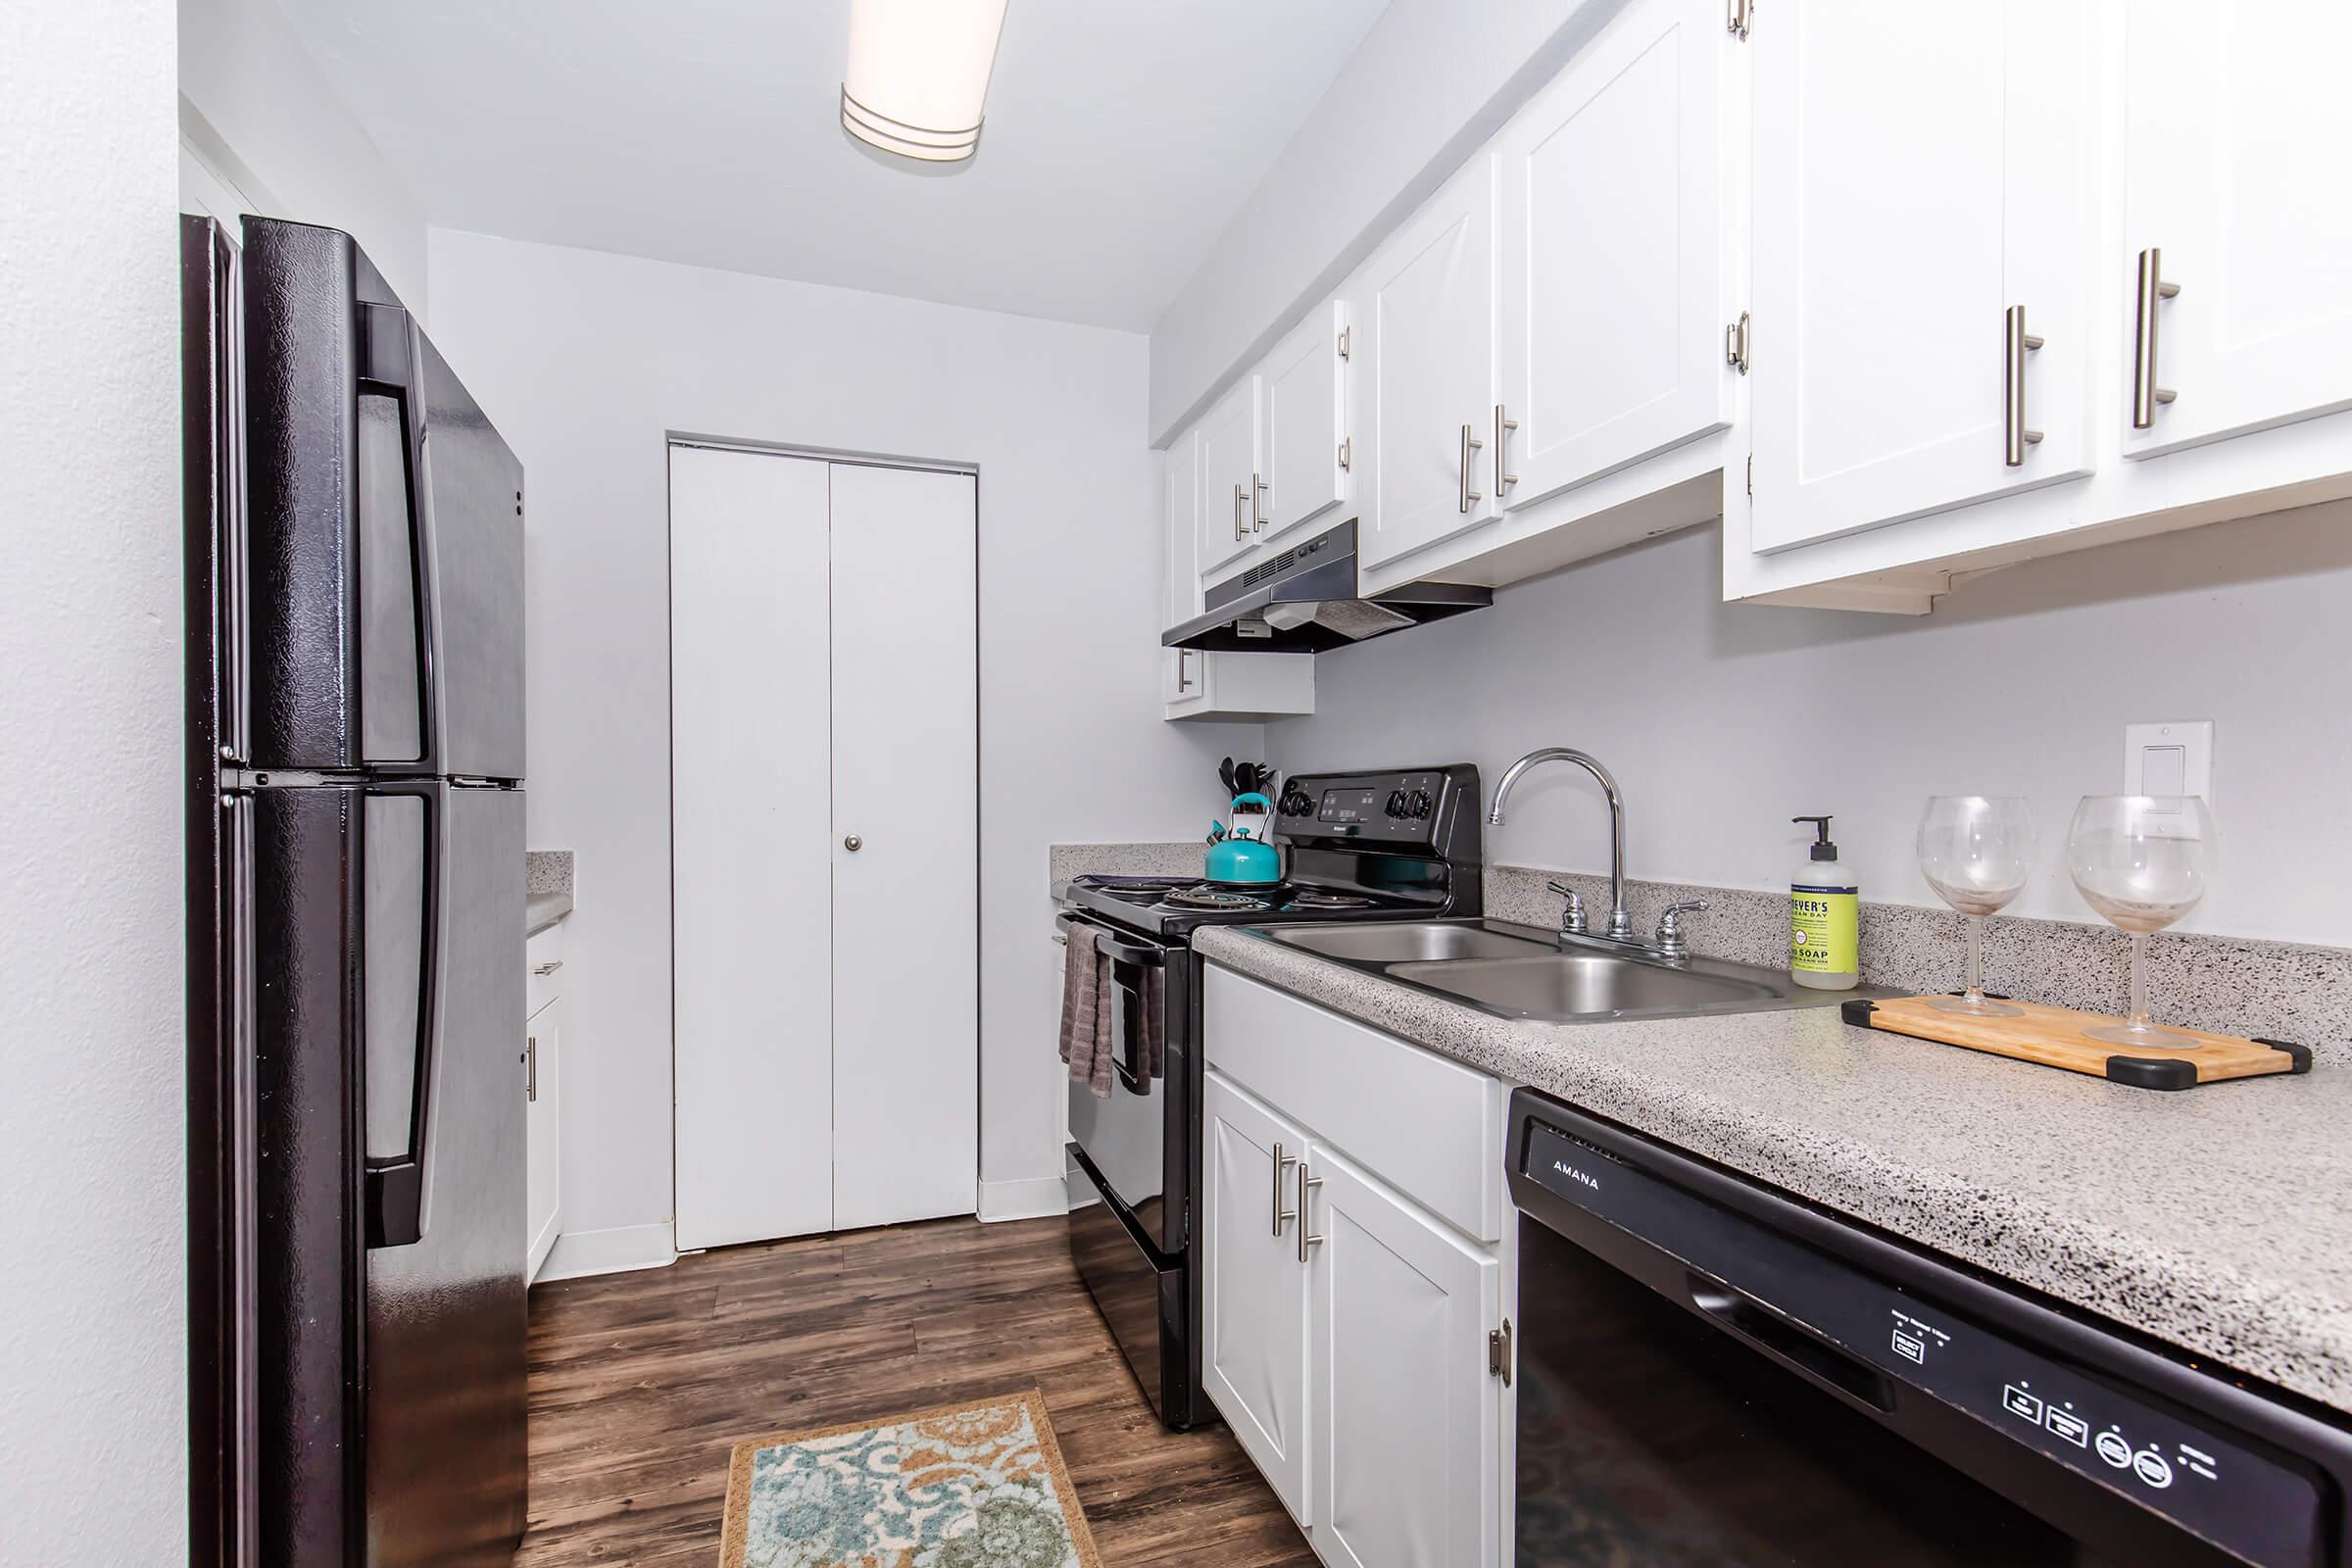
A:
1415, 942
1582, 985
1518, 971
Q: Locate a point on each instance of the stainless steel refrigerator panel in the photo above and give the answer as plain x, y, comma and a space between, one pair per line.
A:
473, 536
444, 1314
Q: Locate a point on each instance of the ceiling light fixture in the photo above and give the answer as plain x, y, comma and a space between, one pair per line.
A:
917, 75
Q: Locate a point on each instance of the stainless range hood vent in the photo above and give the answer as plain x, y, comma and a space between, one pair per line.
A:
1305, 599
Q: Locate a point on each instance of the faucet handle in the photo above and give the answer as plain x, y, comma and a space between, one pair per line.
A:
1572, 918
1670, 927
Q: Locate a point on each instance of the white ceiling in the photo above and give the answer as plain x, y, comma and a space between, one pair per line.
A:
1122, 136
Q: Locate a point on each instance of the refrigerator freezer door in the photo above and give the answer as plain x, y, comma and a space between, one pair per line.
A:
389, 934
386, 526
474, 553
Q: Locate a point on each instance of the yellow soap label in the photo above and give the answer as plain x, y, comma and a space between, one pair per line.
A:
1822, 937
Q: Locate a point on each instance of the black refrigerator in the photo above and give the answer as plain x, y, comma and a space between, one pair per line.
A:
356, 1086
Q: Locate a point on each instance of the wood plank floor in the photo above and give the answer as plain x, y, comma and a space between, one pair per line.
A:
641, 1383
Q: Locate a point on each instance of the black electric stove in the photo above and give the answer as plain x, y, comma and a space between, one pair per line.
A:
1393, 845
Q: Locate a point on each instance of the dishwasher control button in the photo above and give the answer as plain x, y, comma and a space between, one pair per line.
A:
2152, 1468
2018, 1402
2113, 1449
2068, 1425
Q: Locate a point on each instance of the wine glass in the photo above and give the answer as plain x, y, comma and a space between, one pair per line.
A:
1977, 852
2142, 861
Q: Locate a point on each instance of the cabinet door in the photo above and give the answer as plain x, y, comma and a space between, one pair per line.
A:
1429, 307
1182, 677
542, 1131
1305, 380
1407, 1420
1253, 1288
2233, 173
1611, 258
1229, 476
1914, 180
1179, 523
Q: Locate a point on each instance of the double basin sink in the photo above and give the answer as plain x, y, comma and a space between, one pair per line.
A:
1519, 972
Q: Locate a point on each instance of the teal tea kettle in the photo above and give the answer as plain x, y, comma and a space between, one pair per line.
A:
1239, 855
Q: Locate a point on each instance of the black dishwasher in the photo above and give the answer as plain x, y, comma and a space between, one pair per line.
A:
1710, 1373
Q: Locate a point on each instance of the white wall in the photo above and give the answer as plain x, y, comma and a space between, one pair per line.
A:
1722, 721
93, 1295
586, 360
1431, 82
304, 154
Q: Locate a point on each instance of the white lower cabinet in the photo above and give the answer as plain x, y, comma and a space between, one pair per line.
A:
543, 1101
1407, 1434
1349, 1330
1253, 1288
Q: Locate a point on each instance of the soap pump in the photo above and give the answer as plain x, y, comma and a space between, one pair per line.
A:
1824, 904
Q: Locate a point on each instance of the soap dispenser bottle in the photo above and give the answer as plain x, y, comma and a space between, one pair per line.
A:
1823, 904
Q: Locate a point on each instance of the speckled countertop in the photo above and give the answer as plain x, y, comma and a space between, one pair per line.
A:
547, 888
2214, 1219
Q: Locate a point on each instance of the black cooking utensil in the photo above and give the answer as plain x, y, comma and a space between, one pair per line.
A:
1225, 772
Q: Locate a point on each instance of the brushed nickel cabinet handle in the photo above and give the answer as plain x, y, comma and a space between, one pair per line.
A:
530, 1056
2146, 396
1470, 444
1257, 494
2015, 344
1183, 682
549, 968
1282, 1215
1307, 1184
1238, 535
1503, 428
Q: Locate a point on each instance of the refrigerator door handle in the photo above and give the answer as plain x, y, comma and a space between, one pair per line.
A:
388, 362
396, 1185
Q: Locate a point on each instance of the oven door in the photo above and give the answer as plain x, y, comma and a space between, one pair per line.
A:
1134, 1137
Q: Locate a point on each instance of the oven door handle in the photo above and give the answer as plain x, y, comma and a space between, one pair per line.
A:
1114, 948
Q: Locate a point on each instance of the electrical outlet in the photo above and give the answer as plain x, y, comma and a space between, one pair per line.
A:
2171, 757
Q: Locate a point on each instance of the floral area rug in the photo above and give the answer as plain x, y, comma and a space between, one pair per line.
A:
971, 1486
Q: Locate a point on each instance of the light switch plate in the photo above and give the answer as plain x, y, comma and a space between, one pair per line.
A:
2171, 757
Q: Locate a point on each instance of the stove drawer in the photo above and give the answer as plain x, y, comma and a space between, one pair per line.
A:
1431, 1127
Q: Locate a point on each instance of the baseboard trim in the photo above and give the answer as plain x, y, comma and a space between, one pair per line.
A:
620, 1250
1032, 1198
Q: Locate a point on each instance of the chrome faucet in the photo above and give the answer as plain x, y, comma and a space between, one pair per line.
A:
1620, 924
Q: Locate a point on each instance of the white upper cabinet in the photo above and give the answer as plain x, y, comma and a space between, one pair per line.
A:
1232, 472
1612, 262
2233, 182
1305, 413
1925, 207
1180, 527
1429, 313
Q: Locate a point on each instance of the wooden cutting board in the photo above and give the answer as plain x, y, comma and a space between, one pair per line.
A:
2053, 1037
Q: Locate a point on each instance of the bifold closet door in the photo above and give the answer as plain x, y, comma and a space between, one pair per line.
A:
751, 791
906, 901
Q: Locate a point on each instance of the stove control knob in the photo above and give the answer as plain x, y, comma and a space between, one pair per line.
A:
1417, 804
1395, 804
1295, 803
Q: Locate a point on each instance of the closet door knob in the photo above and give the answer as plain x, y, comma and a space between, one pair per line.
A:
853, 844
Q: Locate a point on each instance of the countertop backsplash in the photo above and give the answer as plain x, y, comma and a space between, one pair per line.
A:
2233, 985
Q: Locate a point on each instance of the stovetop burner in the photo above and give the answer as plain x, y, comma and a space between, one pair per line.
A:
1318, 899
1206, 897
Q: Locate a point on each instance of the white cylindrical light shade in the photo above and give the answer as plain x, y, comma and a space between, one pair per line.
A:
917, 75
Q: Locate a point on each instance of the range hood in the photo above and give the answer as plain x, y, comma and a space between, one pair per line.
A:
1304, 600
